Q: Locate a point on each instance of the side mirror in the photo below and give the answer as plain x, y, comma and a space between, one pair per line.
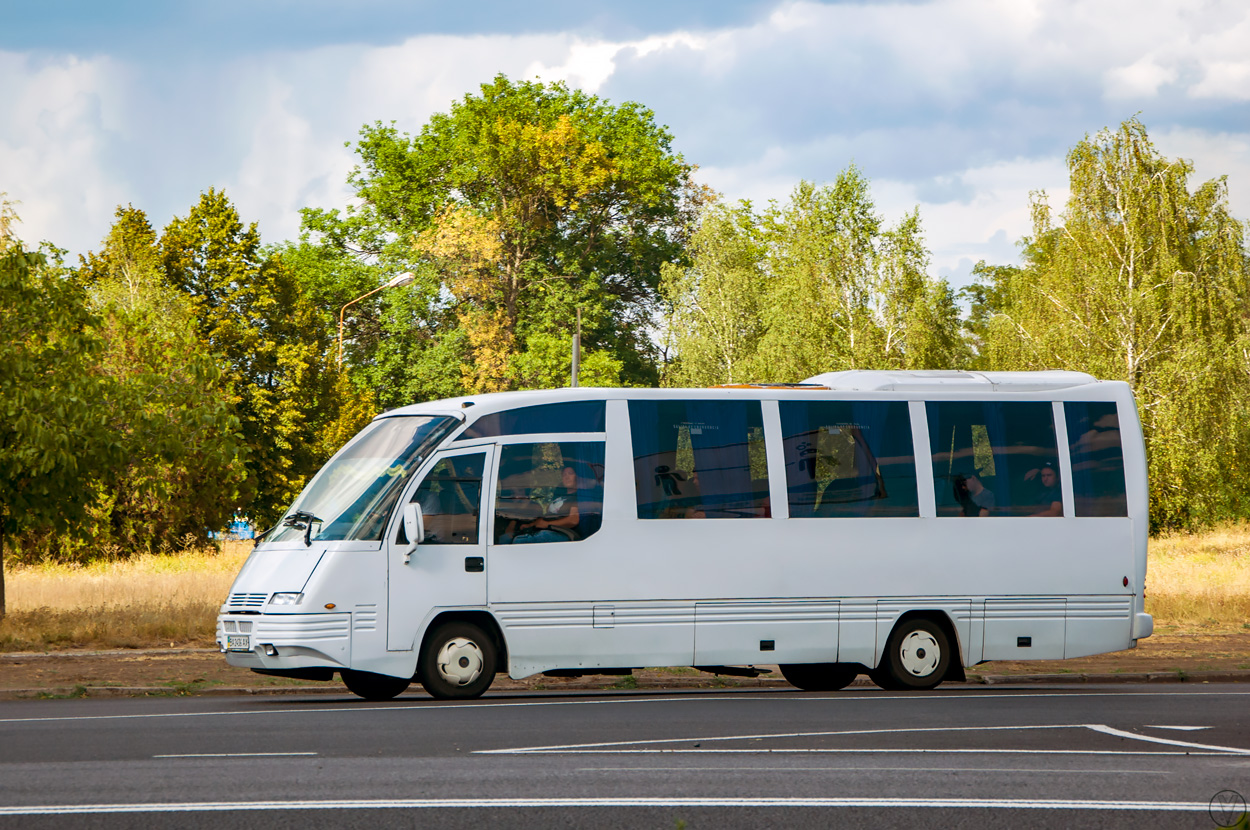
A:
414, 528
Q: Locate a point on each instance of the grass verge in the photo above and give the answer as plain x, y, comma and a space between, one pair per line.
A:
149, 601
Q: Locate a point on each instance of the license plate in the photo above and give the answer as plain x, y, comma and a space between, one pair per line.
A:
238, 642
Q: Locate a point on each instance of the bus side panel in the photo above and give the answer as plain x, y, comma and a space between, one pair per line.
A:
1025, 628
794, 631
581, 635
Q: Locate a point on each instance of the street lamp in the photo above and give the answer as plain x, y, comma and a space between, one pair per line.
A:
394, 282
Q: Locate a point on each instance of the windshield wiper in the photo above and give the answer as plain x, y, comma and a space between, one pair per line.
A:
302, 520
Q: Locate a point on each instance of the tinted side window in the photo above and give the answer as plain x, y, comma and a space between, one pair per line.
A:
699, 459
450, 497
551, 492
994, 458
849, 458
578, 416
1097, 459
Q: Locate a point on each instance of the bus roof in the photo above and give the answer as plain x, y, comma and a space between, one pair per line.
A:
950, 381
471, 406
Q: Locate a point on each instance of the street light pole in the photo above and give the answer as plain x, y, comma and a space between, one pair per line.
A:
394, 282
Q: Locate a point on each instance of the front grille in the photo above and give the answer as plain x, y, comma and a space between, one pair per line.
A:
247, 600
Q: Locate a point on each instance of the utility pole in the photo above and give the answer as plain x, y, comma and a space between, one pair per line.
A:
577, 348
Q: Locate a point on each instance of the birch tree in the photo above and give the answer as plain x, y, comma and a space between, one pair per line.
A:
1144, 280
716, 317
817, 284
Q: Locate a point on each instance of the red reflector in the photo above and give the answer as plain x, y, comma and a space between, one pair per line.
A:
1126, 582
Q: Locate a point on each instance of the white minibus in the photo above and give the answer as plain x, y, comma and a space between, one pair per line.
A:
899, 524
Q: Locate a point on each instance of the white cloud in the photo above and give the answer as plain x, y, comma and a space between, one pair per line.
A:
52, 147
287, 168
1142, 79
1225, 79
1213, 155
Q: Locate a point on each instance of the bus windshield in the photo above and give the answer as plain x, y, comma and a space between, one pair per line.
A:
353, 495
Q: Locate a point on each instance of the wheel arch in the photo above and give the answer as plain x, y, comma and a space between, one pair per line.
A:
941, 618
483, 619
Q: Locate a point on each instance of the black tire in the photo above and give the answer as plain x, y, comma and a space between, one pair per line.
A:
917, 656
820, 677
469, 660
881, 676
372, 686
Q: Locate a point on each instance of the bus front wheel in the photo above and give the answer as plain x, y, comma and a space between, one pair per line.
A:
458, 661
820, 677
916, 657
372, 686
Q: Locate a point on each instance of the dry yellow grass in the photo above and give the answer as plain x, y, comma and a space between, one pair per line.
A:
1200, 580
146, 601
1194, 581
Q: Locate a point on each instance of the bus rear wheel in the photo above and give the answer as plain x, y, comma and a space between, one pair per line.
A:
917, 656
820, 677
372, 686
458, 662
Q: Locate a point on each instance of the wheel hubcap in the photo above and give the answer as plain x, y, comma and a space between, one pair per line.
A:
460, 661
920, 654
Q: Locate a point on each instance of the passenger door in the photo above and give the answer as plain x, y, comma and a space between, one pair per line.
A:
447, 569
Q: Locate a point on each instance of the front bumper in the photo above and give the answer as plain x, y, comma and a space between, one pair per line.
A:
288, 641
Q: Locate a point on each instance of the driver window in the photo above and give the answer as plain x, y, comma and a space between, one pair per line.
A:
549, 492
449, 499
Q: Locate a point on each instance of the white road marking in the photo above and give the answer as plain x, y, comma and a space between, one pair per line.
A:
768, 735
1177, 728
513, 803
437, 706
610, 747
1119, 733
235, 755
1027, 770
882, 751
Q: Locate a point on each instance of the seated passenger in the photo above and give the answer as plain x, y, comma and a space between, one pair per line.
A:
974, 497
1050, 499
558, 523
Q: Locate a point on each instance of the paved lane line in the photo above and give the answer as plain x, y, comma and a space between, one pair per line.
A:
1119, 733
763, 736
1177, 728
881, 751
235, 755
995, 694
427, 706
1028, 770
466, 803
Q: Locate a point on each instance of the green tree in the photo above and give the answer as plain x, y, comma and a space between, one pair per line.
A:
524, 202
814, 285
279, 356
1146, 281
53, 429
183, 468
717, 303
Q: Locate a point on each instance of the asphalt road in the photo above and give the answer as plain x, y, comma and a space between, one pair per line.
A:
1088, 756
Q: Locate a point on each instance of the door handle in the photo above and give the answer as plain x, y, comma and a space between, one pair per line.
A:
474, 564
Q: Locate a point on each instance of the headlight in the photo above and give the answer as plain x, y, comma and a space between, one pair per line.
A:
286, 599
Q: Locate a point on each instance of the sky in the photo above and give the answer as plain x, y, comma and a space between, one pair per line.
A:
957, 107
